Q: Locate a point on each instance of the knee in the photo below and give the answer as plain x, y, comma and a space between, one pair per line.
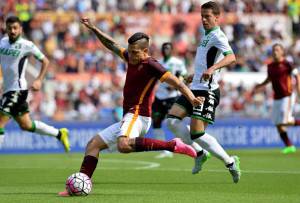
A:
196, 135
93, 146
123, 145
172, 122
26, 126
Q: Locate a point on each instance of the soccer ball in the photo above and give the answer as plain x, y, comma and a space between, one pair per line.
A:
79, 184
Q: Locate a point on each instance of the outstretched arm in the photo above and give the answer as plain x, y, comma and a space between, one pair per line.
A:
178, 84
265, 82
106, 40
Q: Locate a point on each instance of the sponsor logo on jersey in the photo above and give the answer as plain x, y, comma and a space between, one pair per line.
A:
10, 52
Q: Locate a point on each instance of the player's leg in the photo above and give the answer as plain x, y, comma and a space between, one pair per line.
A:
201, 116
179, 110
289, 147
133, 127
282, 117
42, 128
105, 139
159, 109
4, 118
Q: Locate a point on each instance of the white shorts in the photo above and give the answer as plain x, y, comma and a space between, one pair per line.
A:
130, 126
282, 111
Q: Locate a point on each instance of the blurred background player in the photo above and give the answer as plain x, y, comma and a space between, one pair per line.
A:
280, 73
143, 72
213, 53
14, 53
166, 95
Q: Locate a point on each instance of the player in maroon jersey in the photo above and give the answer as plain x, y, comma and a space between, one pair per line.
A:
142, 74
280, 73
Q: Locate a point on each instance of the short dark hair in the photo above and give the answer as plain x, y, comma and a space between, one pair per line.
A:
13, 19
167, 44
214, 6
137, 36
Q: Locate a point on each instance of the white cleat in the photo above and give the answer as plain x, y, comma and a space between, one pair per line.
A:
199, 161
235, 170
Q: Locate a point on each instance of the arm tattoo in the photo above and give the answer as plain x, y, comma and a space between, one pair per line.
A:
109, 43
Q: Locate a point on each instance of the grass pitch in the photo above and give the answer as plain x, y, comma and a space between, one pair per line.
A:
268, 176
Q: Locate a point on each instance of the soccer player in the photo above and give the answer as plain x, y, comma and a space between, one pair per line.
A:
143, 72
14, 52
280, 73
213, 53
166, 95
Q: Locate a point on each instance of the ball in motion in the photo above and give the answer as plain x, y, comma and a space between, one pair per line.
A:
79, 184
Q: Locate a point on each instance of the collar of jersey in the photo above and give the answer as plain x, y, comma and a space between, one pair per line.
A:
16, 40
210, 30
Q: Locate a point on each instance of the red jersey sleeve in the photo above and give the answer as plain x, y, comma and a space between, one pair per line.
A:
157, 70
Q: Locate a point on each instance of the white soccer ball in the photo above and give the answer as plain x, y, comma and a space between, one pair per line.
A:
79, 184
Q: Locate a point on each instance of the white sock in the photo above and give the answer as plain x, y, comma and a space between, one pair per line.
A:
182, 131
44, 129
1, 140
159, 134
210, 143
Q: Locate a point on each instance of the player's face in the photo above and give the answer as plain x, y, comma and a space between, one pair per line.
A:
278, 53
167, 50
13, 30
136, 54
209, 20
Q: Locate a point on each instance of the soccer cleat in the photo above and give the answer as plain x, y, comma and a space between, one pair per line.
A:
164, 154
182, 148
64, 139
289, 150
64, 194
199, 161
235, 170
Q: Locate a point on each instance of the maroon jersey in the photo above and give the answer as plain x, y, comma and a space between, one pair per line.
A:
280, 74
139, 86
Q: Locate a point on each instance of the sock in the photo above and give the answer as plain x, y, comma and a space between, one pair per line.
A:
180, 130
284, 137
159, 134
297, 122
89, 165
146, 144
210, 143
44, 129
1, 137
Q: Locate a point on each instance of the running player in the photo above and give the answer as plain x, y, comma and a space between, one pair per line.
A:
213, 53
14, 52
142, 74
280, 73
166, 95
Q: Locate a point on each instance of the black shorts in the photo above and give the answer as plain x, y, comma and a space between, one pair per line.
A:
161, 107
206, 111
13, 103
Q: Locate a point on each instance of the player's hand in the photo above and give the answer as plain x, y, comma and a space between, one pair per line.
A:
207, 74
197, 101
189, 78
36, 85
86, 21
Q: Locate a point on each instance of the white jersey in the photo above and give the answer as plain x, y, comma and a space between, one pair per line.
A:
177, 67
213, 47
13, 60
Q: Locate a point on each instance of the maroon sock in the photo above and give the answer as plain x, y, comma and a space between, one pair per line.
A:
147, 144
89, 165
297, 122
284, 137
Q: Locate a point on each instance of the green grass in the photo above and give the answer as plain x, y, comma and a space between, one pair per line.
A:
267, 176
